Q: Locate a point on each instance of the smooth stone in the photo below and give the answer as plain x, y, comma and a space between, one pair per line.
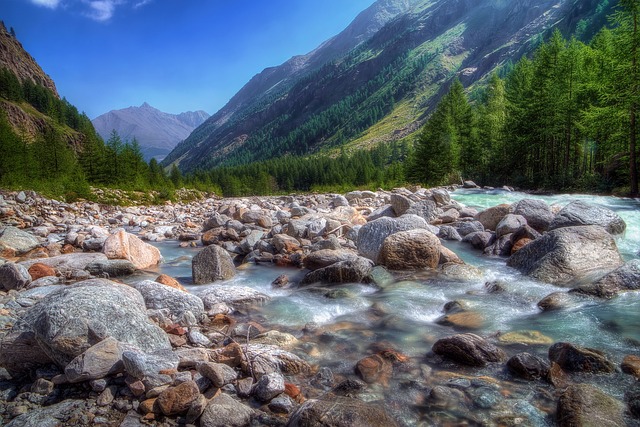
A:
98, 361
233, 296
468, 349
371, 235
410, 250
356, 271
218, 373
525, 337
326, 257
624, 278
536, 212
528, 366
491, 217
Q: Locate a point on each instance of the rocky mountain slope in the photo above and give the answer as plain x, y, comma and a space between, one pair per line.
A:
378, 79
156, 131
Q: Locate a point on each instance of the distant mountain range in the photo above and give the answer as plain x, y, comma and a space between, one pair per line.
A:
377, 80
156, 132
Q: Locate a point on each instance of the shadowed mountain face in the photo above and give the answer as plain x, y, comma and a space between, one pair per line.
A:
378, 79
156, 132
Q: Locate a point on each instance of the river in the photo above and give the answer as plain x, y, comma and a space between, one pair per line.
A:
339, 326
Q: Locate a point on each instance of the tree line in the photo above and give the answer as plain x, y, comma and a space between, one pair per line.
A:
564, 119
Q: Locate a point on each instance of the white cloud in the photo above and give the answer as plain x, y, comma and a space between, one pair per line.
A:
141, 3
102, 10
51, 4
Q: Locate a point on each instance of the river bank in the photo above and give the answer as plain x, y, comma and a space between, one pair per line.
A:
366, 306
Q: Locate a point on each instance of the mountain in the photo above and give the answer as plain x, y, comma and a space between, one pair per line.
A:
156, 131
378, 79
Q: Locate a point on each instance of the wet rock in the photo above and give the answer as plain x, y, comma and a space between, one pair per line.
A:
111, 268
525, 337
410, 250
98, 361
468, 349
379, 367
355, 271
218, 373
158, 296
536, 212
233, 296
371, 236
462, 319
467, 227
224, 411
211, 264
123, 245
528, 366
491, 217
578, 213
69, 321
631, 365
269, 386
14, 242
574, 358
281, 281
624, 278
586, 405
446, 397
178, 399
564, 255
14, 276
265, 359
326, 257
555, 301
338, 411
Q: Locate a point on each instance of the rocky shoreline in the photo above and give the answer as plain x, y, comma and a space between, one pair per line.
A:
78, 347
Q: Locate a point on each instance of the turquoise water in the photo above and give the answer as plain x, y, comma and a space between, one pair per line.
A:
403, 313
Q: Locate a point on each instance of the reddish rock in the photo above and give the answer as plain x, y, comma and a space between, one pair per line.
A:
170, 281
379, 367
67, 249
39, 270
122, 245
631, 365
178, 399
520, 244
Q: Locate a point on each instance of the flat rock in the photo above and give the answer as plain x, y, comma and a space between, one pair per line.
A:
98, 361
233, 296
111, 268
326, 257
564, 255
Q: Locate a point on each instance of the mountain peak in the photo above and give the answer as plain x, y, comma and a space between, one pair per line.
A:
145, 105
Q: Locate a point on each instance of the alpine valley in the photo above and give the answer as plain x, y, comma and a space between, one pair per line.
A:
379, 79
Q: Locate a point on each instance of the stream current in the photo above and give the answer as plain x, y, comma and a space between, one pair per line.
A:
340, 325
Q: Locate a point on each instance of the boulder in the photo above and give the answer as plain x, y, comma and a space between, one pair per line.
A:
573, 358
624, 278
510, 224
269, 386
371, 236
14, 242
467, 227
410, 250
111, 268
14, 276
426, 209
536, 212
69, 321
528, 366
491, 217
225, 411
631, 365
555, 301
264, 359
448, 232
211, 264
339, 411
178, 399
582, 213
218, 373
564, 255
356, 271
468, 349
285, 244
399, 203
158, 296
123, 245
480, 239
441, 196
326, 257
588, 406
39, 270
233, 296
68, 263
98, 361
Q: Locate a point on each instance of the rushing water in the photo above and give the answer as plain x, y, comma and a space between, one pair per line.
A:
403, 312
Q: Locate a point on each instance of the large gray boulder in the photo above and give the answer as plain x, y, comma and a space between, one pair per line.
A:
371, 235
537, 213
16, 242
564, 255
426, 209
158, 296
410, 250
69, 321
583, 213
624, 278
211, 264
338, 411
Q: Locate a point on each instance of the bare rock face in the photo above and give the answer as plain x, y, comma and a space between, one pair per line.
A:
409, 250
566, 254
122, 245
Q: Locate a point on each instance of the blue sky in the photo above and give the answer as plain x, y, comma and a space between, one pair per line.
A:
177, 55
